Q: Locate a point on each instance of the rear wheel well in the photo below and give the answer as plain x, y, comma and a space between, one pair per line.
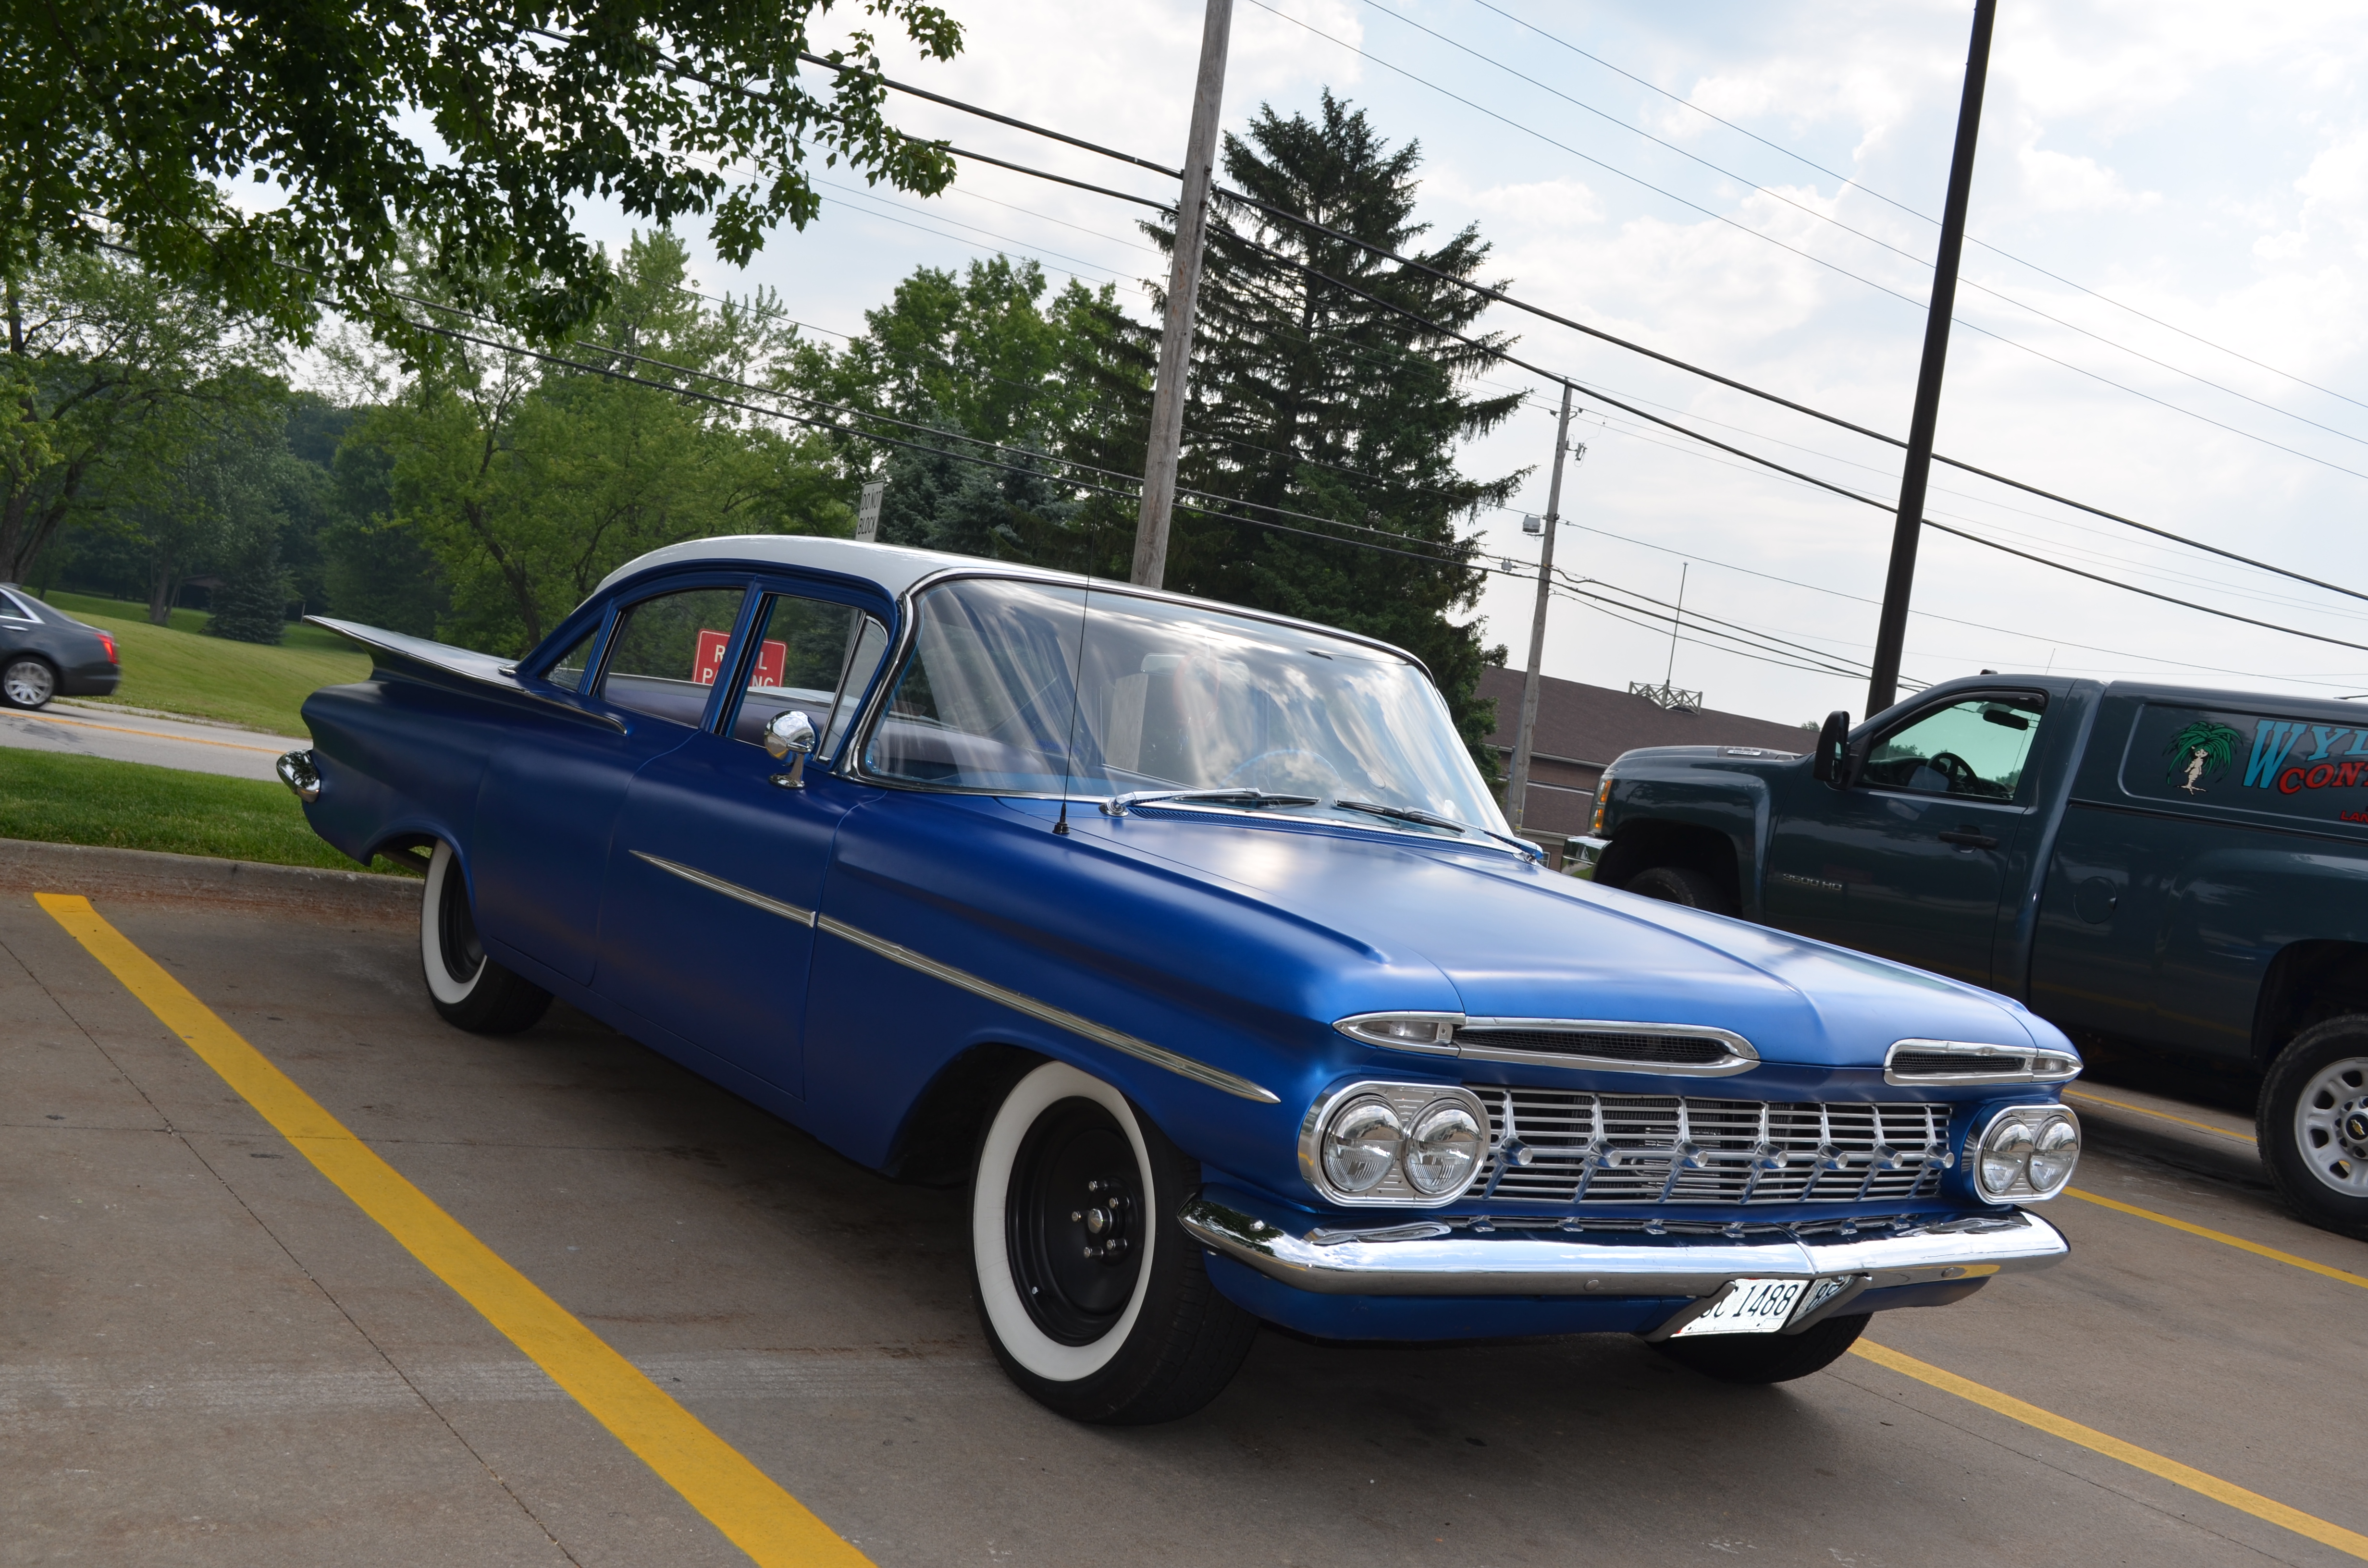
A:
2307, 984
1641, 844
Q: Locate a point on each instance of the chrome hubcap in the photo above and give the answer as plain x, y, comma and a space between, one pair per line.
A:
27, 683
2331, 1126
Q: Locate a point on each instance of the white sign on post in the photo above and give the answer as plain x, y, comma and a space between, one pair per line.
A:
867, 514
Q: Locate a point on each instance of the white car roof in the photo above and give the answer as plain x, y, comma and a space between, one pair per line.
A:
893, 566
897, 568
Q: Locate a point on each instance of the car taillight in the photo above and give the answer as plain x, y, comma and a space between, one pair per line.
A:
109, 643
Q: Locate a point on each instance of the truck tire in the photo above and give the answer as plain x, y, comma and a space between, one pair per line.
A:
1682, 884
2313, 1124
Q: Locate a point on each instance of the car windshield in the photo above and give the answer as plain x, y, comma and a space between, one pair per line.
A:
1170, 697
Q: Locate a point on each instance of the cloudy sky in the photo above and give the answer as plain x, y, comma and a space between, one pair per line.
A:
2171, 206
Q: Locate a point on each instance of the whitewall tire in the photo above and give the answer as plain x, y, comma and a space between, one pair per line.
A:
470, 990
1094, 1300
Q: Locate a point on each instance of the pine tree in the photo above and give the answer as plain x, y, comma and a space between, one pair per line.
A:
1310, 393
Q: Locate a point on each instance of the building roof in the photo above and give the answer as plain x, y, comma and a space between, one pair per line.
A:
1590, 725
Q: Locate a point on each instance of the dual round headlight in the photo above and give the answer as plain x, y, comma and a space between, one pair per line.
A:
2028, 1151
1398, 1143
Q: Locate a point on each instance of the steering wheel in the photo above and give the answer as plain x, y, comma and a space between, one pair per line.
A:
1248, 763
1962, 780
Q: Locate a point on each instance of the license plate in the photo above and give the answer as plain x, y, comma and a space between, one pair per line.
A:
1753, 1306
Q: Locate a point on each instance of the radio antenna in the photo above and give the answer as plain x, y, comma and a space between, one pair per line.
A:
1078, 680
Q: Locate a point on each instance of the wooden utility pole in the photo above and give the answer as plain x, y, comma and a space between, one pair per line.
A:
1517, 788
1891, 632
1183, 284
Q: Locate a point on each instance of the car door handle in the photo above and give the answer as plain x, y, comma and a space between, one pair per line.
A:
1971, 838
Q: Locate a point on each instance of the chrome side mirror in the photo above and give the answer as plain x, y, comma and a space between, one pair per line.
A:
791, 735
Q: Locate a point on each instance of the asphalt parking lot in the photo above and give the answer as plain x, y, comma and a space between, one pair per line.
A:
209, 1353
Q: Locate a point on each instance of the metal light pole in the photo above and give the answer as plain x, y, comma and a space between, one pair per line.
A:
1183, 284
1517, 788
1891, 632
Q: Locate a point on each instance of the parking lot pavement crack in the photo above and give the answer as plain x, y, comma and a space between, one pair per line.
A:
165, 1121
1899, 1398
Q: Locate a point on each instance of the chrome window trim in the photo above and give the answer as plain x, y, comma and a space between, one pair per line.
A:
729, 889
1310, 1134
1157, 1055
1974, 1054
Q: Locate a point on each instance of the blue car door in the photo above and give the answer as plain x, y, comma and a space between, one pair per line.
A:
548, 806
717, 865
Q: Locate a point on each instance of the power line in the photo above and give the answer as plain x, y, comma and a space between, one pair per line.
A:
1821, 261
1849, 180
1502, 298
1829, 218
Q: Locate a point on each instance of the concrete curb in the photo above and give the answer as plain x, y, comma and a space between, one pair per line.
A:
148, 876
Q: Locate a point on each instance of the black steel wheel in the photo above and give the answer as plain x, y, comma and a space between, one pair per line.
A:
470, 990
1093, 1300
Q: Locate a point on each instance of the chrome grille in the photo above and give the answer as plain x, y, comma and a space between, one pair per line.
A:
1589, 1148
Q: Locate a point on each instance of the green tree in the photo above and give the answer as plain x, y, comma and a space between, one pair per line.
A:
126, 121
1310, 393
528, 483
112, 377
984, 360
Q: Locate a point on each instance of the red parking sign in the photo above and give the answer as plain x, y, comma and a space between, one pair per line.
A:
773, 661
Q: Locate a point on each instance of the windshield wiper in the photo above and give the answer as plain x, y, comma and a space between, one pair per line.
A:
1118, 805
1431, 819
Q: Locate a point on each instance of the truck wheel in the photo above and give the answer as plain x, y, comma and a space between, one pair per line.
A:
1682, 884
470, 990
1766, 1357
1095, 1301
2313, 1124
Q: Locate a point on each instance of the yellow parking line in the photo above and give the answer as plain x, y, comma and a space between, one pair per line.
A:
746, 1504
2244, 1138
2177, 1475
2223, 1237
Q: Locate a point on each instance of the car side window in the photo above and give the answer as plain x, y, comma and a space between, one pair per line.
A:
1974, 749
814, 656
567, 670
667, 651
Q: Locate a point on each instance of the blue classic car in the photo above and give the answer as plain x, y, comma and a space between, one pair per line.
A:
1191, 939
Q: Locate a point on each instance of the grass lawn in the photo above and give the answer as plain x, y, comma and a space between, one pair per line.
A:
129, 805
180, 670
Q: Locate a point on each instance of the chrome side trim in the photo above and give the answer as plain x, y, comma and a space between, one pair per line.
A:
1464, 1256
1044, 1011
730, 889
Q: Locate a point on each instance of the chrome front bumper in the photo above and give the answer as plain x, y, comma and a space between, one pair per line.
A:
1460, 1256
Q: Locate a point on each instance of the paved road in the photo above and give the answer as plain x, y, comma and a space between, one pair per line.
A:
190, 744
208, 1355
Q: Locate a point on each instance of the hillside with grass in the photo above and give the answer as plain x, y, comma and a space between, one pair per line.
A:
179, 669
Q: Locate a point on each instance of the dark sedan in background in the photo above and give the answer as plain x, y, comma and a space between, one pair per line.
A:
45, 652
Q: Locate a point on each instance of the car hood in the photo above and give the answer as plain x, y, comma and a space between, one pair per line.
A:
1480, 933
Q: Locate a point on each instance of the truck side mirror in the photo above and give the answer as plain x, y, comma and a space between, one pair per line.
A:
1828, 764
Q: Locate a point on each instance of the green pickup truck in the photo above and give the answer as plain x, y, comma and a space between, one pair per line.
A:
2158, 872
